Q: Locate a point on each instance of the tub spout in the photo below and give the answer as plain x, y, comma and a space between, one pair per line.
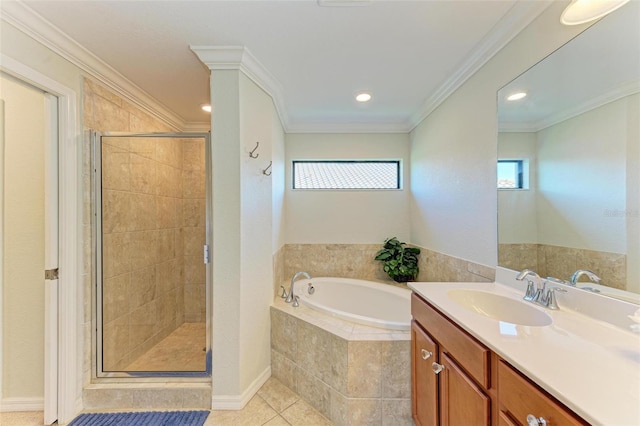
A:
291, 297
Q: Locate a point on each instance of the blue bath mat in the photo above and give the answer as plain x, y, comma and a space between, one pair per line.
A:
143, 418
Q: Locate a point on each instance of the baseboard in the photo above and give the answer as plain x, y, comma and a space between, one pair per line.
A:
237, 402
21, 404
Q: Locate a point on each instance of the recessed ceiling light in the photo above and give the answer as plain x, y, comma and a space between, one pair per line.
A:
206, 107
583, 11
516, 96
363, 97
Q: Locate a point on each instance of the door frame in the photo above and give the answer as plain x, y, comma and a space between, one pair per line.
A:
69, 339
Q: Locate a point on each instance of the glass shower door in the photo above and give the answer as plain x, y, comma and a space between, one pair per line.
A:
150, 229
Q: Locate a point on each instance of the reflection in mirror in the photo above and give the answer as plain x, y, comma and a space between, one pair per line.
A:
578, 129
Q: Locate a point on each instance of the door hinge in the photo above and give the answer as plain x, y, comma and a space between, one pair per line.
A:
51, 274
207, 257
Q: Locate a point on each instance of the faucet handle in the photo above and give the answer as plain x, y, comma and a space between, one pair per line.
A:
284, 292
530, 293
550, 301
296, 302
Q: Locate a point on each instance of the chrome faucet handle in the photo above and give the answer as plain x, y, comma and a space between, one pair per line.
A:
530, 293
540, 296
550, 300
284, 292
296, 302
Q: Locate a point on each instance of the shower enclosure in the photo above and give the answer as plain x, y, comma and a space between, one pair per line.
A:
151, 264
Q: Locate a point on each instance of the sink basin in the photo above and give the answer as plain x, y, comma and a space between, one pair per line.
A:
499, 307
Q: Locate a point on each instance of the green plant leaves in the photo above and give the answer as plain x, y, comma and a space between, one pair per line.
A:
398, 261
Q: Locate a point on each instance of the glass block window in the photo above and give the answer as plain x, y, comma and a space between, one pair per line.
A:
346, 174
510, 174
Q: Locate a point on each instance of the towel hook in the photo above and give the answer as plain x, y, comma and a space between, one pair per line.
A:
264, 172
254, 150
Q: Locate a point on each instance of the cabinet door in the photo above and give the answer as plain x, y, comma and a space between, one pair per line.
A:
424, 381
462, 402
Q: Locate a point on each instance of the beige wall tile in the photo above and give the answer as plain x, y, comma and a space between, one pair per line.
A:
116, 342
116, 254
314, 351
284, 370
115, 302
314, 391
396, 412
284, 334
364, 375
193, 183
142, 289
194, 212
116, 168
396, 369
365, 412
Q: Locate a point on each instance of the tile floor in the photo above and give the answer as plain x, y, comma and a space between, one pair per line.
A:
182, 350
273, 405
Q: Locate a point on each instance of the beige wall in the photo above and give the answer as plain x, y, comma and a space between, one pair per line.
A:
453, 151
23, 241
346, 217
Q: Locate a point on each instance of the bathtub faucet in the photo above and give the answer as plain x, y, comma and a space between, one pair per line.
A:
291, 297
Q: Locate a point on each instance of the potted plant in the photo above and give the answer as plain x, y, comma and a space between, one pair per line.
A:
400, 262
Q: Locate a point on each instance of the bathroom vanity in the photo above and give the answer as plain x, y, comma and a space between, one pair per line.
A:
544, 368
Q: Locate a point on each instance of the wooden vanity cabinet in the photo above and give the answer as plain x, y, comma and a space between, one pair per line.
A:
450, 372
456, 380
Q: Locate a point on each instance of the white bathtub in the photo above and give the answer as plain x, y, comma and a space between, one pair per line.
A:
359, 301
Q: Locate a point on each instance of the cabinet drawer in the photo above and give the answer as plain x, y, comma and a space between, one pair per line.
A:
471, 355
519, 397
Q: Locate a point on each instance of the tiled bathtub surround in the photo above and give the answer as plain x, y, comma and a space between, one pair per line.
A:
562, 262
352, 374
357, 261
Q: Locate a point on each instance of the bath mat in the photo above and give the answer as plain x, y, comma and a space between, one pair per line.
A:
143, 418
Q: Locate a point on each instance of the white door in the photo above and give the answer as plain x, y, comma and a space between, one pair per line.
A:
51, 260
29, 343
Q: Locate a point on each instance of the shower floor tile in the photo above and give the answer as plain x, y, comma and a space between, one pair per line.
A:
182, 350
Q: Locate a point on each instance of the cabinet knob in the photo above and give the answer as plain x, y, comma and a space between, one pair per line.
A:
437, 368
536, 421
426, 354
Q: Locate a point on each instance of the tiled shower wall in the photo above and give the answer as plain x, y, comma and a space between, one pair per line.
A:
170, 215
357, 261
143, 245
562, 262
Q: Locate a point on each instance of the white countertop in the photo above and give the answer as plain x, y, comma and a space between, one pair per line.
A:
589, 365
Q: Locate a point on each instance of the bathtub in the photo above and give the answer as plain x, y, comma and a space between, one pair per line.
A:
363, 302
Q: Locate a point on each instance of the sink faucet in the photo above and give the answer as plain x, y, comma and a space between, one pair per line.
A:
291, 297
580, 272
531, 294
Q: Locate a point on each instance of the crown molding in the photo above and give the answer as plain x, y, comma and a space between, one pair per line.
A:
510, 25
240, 58
347, 128
624, 90
44, 32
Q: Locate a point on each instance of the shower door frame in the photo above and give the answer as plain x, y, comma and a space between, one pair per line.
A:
97, 250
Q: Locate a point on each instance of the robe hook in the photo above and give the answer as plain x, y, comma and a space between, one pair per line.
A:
254, 150
264, 172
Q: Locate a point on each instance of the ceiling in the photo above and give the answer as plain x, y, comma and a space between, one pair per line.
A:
602, 64
408, 54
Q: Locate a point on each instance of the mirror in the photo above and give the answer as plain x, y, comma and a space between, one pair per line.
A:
575, 138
